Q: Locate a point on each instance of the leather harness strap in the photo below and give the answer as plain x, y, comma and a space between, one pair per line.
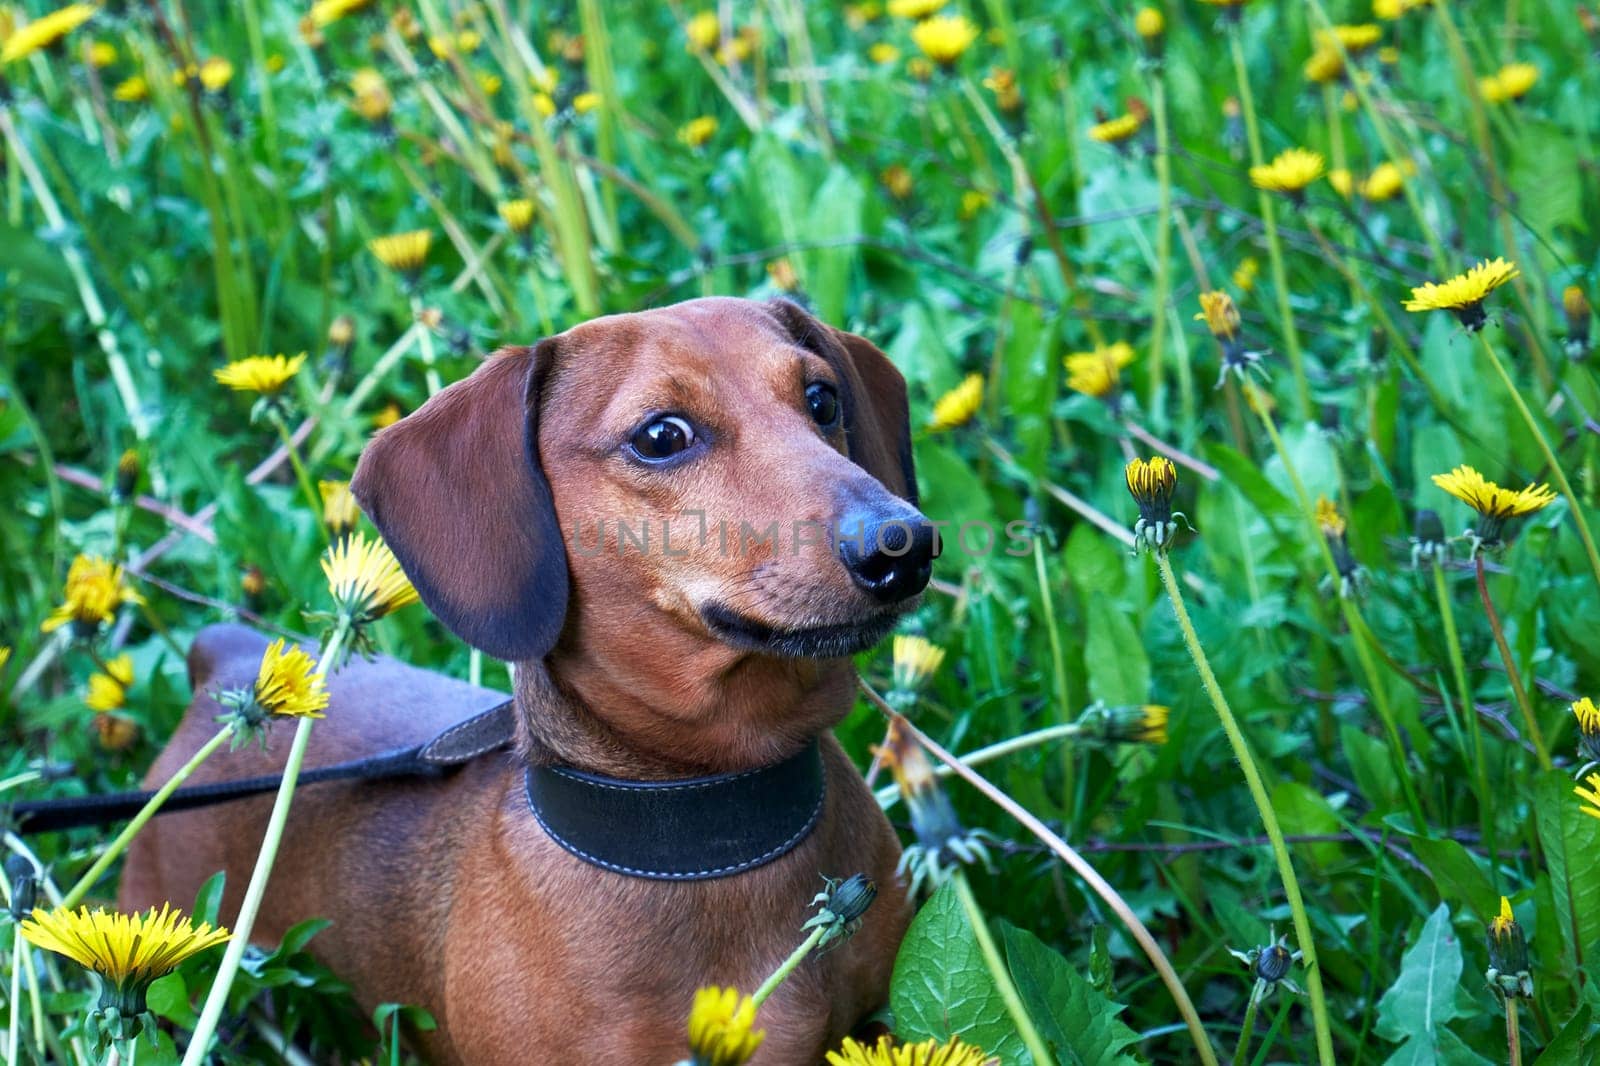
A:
688, 830
482, 733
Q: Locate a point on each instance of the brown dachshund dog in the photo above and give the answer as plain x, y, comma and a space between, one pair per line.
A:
705, 655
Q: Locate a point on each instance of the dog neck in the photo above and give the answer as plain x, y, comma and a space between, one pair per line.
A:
752, 717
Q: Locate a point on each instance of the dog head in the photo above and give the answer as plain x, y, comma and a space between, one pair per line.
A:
677, 490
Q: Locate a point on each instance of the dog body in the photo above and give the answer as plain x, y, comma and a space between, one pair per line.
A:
707, 655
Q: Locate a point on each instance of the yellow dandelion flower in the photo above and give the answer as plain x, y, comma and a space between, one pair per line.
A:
365, 579
927, 1053
288, 685
783, 274
1149, 22
915, 660
915, 10
44, 31
126, 952
883, 53
371, 99
1329, 518
102, 54
1500, 925
387, 416
897, 179
1574, 303
919, 67
1495, 505
1290, 172
403, 253
516, 214
489, 82
703, 31
944, 38
1003, 83
340, 512
1152, 482
1246, 273
1384, 183
1342, 180
958, 406
1116, 130
1584, 710
109, 691
1510, 82
275, 63
95, 590
722, 1027
1356, 39
697, 131
215, 74
972, 201
1389, 10
264, 374
1590, 795
1139, 724
1325, 65
327, 12
1218, 312
1464, 294
1098, 373
586, 102
132, 90
545, 104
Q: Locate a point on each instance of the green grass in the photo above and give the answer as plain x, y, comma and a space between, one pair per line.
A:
148, 242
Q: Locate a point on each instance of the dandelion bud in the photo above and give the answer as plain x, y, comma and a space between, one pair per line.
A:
1588, 729
127, 479
1508, 955
1273, 963
24, 886
1151, 27
1577, 309
841, 907
1151, 484
1428, 540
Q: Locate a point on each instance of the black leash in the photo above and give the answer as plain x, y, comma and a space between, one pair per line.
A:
460, 743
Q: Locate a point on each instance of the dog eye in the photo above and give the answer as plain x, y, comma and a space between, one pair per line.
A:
662, 439
823, 402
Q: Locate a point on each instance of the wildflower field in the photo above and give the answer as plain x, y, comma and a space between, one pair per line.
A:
1249, 348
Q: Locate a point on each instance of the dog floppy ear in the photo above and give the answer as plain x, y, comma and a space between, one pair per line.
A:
877, 416
457, 492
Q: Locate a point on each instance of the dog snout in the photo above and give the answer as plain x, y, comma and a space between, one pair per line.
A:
889, 554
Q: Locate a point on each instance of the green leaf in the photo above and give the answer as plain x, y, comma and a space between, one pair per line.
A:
942, 987
168, 997
1423, 998
1079, 1024
208, 901
1119, 670
1571, 840
1461, 882
1572, 1046
1243, 474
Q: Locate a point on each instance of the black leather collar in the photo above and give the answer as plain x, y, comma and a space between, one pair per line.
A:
688, 830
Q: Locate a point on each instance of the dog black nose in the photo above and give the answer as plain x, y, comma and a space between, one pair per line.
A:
890, 557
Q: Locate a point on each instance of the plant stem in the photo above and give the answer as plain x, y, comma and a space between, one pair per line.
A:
430, 372
1269, 223
1001, 974
1069, 759
75, 895
889, 793
1352, 620
1513, 1032
217, 998
1458, 670
19, 958
1556, 473
1158, 328
303, 476
1513, 675
1241, 1050
1269, 818
796, 957
1080, 866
